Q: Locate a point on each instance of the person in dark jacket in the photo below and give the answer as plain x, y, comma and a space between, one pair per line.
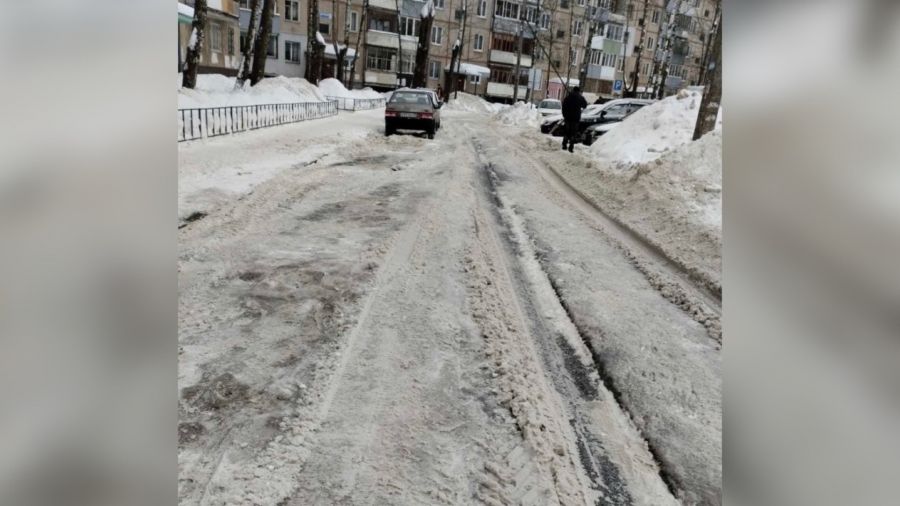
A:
571, 110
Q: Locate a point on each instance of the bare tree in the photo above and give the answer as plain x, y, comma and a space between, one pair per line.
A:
195, 45
341, 53
314, 48
518, 67
399, 43
363, 29
712, 95
420, 70
261, 48
249, 44
638, 51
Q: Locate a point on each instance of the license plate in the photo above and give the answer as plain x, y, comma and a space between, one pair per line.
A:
408, 115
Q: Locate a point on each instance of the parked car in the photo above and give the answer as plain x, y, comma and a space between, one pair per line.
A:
413, 109
609, 112
549, 107
609, 117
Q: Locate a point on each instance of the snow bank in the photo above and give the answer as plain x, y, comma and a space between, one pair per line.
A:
675, 201
216, 90
651, 131
520, 114
470, 103
333, 88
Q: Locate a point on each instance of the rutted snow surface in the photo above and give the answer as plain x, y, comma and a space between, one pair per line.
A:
373, 321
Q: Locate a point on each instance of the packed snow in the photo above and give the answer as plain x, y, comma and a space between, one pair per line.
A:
466, 102
216, 90
427, 9
648, 133
333, 88
319, 38
520, 114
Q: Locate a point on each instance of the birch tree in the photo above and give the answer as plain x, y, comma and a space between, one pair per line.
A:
427, 20
194, 46
249, 44
261, 48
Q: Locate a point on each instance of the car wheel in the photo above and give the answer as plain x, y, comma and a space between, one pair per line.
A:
388, 131
431, 135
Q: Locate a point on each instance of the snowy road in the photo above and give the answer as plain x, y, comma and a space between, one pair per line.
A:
371, 320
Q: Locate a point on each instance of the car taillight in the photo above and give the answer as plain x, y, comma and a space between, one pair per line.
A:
390, 114
426, 115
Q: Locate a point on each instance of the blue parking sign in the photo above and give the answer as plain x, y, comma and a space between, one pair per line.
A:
617, 86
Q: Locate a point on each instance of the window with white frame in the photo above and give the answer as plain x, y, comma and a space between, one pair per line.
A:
650, 43
545, 20
437, 35
478, 42
409, 26
614, 31
621, 64
529, 15
354, 21
438, 4
505, 9
292, 51
608, 60
645, 69
475, 79
576, 27
595, 57
581, 2
482, 8
291, 10
655, 17
434, 69
215, 37
380, 58
272, 50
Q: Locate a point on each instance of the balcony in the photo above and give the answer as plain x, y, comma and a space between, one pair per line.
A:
508, 58
381, 78
388, 5
389, 39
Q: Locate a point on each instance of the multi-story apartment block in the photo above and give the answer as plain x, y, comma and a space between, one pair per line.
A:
551, 42
220, 53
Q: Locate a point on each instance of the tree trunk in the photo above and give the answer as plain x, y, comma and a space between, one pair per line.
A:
399, 47
712, 96
342, 54
249, 44
195, 45
420, 77
588, 51
261, 48
518, 67
363, 28
314, 50
451, 75
636, 75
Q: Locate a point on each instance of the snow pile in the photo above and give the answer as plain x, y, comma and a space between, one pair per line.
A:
675, 201
520, 114
651, 131
216, 90
470, 103
333, 88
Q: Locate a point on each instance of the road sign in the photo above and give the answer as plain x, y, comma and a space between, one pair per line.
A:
617, 86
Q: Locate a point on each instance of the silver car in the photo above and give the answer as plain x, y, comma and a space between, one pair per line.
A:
413, 109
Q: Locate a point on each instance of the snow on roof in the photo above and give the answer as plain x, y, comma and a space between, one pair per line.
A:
319, 38
470, 69
427, 9
572, 81
185, 10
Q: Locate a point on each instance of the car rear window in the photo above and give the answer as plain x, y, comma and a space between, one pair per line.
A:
404, 97
550, 105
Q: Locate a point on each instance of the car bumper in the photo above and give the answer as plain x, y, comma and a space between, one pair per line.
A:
409, 124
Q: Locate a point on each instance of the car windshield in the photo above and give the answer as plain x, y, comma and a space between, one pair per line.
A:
408, 97
550, 104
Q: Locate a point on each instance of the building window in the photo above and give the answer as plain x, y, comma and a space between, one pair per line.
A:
595, 57
505, 9
614, 32
609, 60
563, 4
706, 13
324, 28
434, 69
381, 24
215, 37
354, 21
655, 16
545, 20
650, 43
621, 64
478, 43
245, 4
438, 4
380, 58
482, 8
272, 50
576, 27
291, 10
475, 79
437, 35
646, 69
230, 41
573, 57
292, 51
409, 26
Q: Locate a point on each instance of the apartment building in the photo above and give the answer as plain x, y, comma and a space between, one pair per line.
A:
220, 53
